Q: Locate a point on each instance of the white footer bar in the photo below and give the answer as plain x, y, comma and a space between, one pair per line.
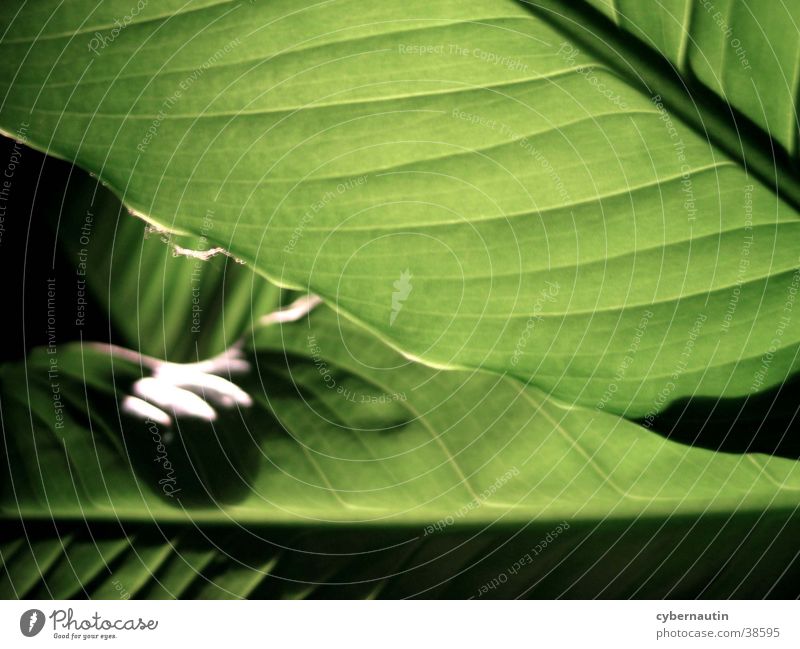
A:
392, 624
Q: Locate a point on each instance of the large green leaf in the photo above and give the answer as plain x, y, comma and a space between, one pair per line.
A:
136, 545
448, 174
371, 437
358, 473
750, 556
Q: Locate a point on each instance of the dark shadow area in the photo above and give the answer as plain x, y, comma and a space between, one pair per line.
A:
766, 422
750, 555
197, 463
44, 201
38, 278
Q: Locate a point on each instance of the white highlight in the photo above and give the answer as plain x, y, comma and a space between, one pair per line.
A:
186, 389
203, 255
140, 408
196, 389
179, 401
296, 310
155, 225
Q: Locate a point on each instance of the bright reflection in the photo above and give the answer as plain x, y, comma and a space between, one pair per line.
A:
189, 389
